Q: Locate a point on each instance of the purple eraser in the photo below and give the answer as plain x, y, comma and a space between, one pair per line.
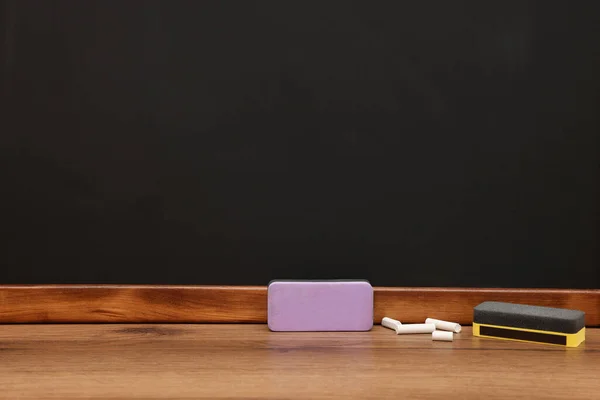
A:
336, 305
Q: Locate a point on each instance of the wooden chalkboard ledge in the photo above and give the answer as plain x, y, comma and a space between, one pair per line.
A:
118, 362
248, 304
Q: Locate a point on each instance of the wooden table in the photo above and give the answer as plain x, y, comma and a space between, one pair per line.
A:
249, 362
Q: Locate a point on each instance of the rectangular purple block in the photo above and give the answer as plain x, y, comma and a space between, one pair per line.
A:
336, 305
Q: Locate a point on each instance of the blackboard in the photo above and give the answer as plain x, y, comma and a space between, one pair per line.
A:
434, 143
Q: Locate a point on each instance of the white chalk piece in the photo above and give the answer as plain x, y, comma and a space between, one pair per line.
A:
442, 335
414, 328
390, 323
444, 325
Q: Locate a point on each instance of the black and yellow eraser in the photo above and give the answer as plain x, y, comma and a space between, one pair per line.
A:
558, 326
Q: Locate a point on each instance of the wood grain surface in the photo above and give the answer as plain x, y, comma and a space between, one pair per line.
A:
248, 304
213, 361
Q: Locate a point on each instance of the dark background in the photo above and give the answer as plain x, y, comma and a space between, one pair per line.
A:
430, 143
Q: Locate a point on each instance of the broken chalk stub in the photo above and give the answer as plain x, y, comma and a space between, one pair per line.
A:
414, 328
390, 323
443, 336
444, 325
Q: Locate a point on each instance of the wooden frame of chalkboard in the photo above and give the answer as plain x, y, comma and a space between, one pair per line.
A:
248, 304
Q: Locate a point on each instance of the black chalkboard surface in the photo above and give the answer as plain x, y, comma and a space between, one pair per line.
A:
429, 143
